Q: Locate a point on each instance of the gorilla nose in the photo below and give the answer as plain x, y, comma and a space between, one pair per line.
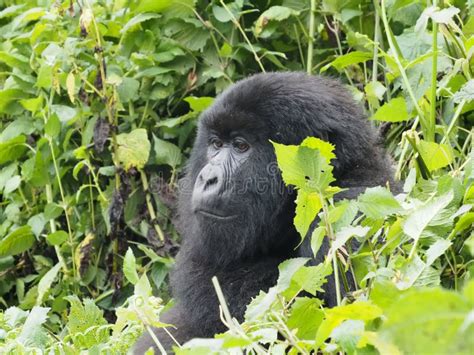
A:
208, 182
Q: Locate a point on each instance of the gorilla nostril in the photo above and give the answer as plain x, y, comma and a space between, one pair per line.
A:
210, 182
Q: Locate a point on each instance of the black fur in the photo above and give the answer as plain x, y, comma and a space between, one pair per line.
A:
244, 252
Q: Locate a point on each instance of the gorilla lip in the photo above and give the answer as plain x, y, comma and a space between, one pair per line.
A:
211, 214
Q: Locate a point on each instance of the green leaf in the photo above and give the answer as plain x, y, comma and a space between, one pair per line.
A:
308, 205
45, 283
287, 269
310, 279
133, 149
17, 241
361, 310
305, 317
12, 184
393, 111
128, 89
419, 219
32, 332
12, 149
430, 321
345, 60
437, 249
378, 203
53, 126
272, 14
435, 156
57, 238
466, 92
152, 6
130, 267
199, 104
166, 152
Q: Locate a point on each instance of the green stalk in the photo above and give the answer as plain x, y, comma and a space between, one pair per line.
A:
394, 47
309, 63
431, 124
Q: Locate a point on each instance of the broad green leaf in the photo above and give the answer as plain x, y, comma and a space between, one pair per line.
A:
378, 202
45, 283
317, 239
465, 93
429, 321
305, 317
346, 233
435, 156
8, 96
274, 13
325, 148
152, 6
128, 89
57, 238
308, 205
350, 58
419, 219
130, 267
12, 184
199, 104
17, 241
287, 269
361, 310
166, 152
393, 111
53, 126
309, 279
143, 17
32, 105
85, 323
261, 304
437, 249
133, 149
32, 332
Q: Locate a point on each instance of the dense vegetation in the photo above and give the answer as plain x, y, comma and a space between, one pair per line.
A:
98, 105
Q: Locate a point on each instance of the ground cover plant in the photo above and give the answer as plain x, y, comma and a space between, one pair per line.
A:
98, 106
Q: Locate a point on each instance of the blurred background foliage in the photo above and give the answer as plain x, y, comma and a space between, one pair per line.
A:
98, 109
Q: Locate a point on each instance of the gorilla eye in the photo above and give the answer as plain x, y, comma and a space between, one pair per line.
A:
241, 145
216, 143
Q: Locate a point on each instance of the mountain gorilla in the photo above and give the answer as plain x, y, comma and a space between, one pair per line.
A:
235, 215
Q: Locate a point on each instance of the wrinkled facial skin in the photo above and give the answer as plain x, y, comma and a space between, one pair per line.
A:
214, 185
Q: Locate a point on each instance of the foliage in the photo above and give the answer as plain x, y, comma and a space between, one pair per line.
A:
98, 106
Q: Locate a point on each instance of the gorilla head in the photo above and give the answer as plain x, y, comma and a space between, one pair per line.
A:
233, 203
235, 214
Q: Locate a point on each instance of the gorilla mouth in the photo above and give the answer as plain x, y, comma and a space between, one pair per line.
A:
211, 214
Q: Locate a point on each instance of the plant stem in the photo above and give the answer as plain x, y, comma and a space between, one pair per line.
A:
309, 63
149, 204
396, 56
237, 24
431, 124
